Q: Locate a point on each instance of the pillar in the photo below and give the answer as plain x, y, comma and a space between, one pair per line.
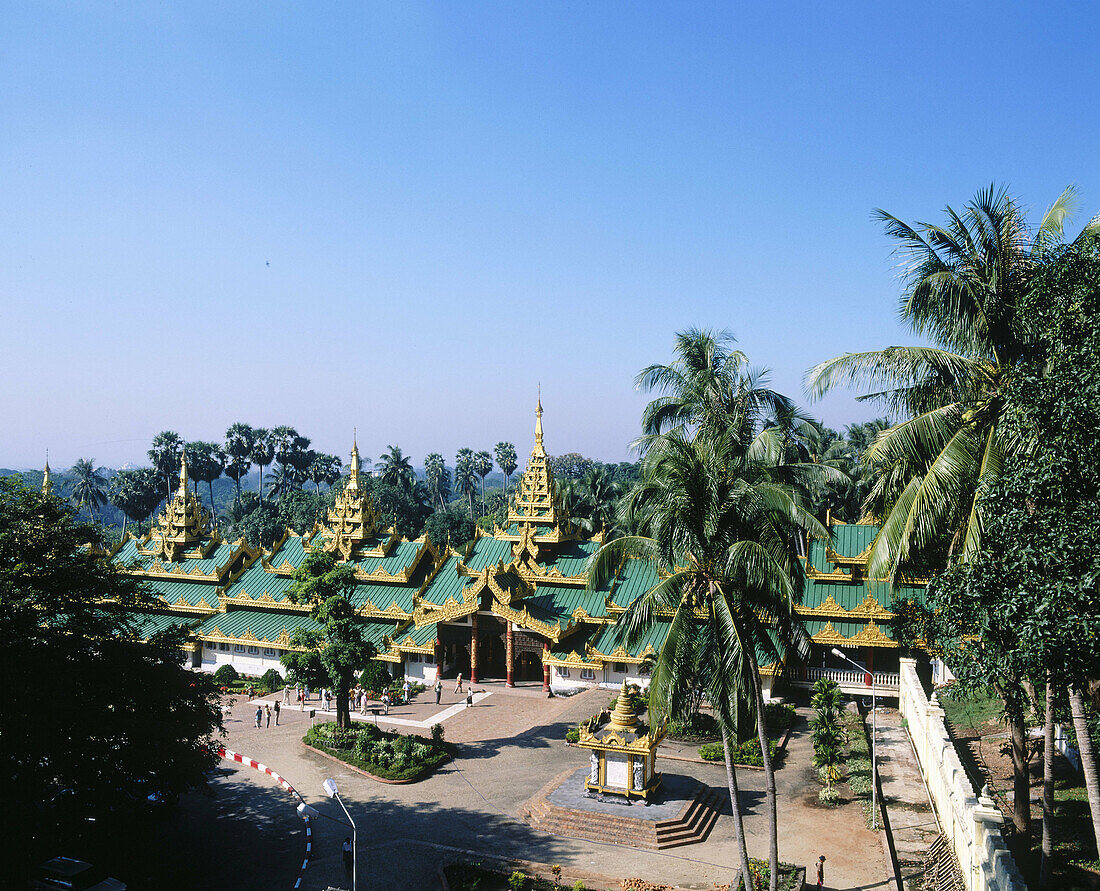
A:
545, 668
473, 648
509, 655
871, 662
438, 658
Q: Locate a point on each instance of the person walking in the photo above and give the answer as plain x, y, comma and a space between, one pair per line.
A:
458, 686
259, 716
276, 712
438, 690
301, 702
821, 871
386, 702
405, 688
348, 860
286, 694
267, 711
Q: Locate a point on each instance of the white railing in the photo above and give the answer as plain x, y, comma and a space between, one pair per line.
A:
849, 680
971, 823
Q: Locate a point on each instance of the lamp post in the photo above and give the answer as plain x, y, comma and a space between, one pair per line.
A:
874, 739
333, 792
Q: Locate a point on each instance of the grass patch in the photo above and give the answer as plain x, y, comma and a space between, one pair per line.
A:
391, 756
972, 711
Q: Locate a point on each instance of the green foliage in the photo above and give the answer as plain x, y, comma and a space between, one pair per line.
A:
746, 754
271, 680
517, 881
579, 886
573, 734
829, 796
391, 756
450, 526
375, 677
712, 752
143, 723
779, 717
437, 732
225, 675
695, 728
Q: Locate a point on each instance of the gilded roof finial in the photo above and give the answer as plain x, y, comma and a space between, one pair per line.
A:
623, 717
353, 481
47, 483
538, 425
183, 473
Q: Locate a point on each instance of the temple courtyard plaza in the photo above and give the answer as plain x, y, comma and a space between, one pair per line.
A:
511, 745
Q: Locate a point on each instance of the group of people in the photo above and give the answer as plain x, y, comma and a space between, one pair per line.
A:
301, 694
265, 709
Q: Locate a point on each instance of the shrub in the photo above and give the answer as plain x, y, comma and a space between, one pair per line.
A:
579, 886
699, 727
437, 733
517, 881
271, 680
226, 675
712, 752
375, 677
778, 716
573, 734
829, 796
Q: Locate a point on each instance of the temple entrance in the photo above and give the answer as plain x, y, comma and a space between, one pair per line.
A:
491, 647
528, 656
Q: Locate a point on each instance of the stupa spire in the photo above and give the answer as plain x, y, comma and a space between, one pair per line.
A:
539, 450
47, 483
353, 480
183, 474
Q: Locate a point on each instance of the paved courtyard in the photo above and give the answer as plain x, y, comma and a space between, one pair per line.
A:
511, 744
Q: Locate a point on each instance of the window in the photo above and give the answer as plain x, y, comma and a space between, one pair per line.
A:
563, 672
414, 657
619, 667
253, 651
224, 647
269, 651
238, 648
588, 674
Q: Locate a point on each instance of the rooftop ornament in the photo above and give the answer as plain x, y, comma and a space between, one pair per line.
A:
624, 751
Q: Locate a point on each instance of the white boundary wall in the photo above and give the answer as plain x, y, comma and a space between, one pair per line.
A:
971, 823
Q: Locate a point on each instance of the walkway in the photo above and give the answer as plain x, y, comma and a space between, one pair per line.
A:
912, 821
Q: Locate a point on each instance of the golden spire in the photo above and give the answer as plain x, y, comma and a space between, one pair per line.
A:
47, 483
624, 717
353, 481
539, 450
183, 474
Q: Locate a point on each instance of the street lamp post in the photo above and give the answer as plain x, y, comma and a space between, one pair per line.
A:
874, 739
333, 792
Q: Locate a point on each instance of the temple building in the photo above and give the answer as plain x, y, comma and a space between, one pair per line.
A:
513, 604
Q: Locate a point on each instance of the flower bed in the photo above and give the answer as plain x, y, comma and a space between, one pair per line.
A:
747, 754
389, 756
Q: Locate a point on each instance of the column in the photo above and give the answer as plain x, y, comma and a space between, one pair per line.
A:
473, 648
438, 658
545, 668
509, 655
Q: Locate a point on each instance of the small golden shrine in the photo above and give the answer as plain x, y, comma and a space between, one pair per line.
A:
624, 753
353, 518
183, 521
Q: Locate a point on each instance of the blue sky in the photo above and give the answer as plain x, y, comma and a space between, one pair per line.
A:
404, 217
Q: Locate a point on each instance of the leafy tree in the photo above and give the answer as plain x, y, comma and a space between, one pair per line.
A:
205, 463
449, 526
570, 466
88, 486
406, 509
327, 586
397, 469
136, 493
483, 466
466, 475
262, 453
144, 724
964, 283
506, 460
165, 452
239, 441
438, 479
292, 452
323, 468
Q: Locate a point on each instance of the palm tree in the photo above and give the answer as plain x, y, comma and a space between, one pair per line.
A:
292, 452
164, 452
88, 486
397, 469
483, 466
205, 463
323, 468
466, 476
507, 462
723, 534
963, 282
438, 479
239, 440
262, 454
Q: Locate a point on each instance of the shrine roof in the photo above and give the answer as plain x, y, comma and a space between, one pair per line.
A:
383, 597
488, 551
612, 637
190, 592
256, 581
264, 626
849, 540
446, 584
562, 602
145, 625
398, 560
292, 550
570, 558
634, 579
424, 636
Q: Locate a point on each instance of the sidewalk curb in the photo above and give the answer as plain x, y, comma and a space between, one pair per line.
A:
263, 768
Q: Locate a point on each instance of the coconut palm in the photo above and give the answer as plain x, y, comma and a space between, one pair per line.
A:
723, 534
88, 486
438, 479
483, 466
262, 454
239, 440
205, 463
397, 469
507, 461
962, 283
466, 476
